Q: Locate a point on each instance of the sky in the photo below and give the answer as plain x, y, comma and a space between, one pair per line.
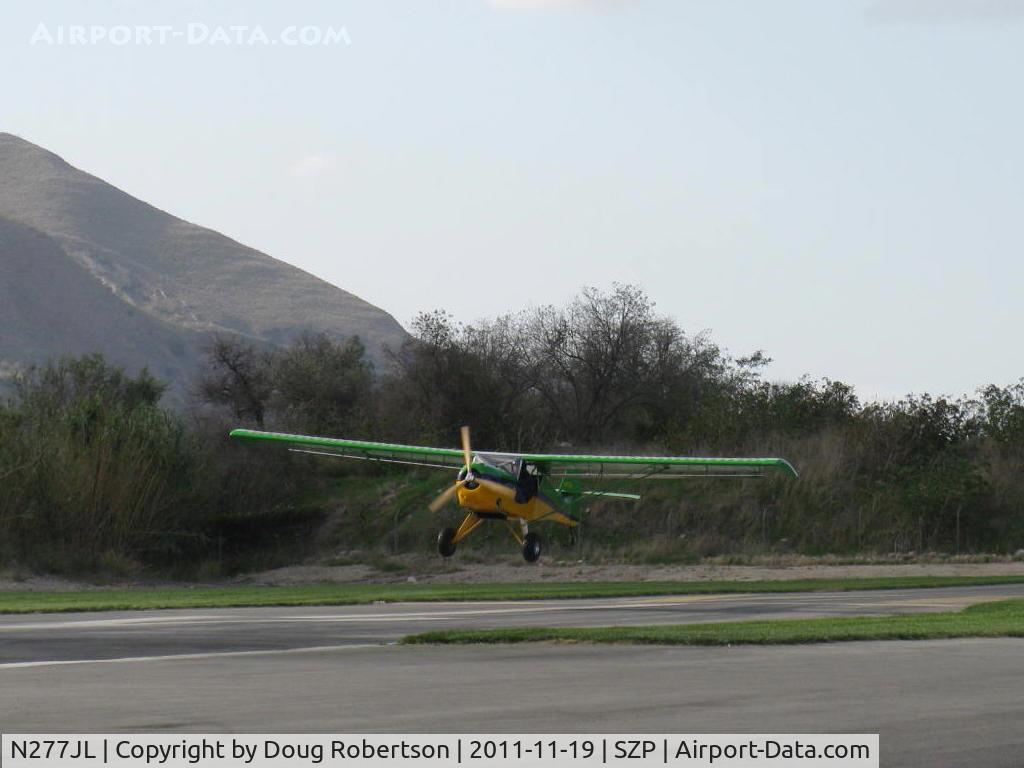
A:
839, 184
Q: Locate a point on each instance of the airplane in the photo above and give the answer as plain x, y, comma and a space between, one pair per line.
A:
519, 487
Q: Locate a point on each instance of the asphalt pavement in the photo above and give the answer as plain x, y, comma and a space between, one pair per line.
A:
337, 669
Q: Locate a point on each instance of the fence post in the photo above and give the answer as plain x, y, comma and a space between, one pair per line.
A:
958, 528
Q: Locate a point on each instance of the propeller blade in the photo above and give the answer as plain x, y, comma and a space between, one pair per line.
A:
444, 497
467, 450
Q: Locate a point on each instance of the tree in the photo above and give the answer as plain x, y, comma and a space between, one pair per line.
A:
53, 386
91, 465
1004, 413
449, 374
238, 376
607, 364
322, 386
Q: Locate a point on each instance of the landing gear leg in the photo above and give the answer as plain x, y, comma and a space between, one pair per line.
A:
449, 538
530, 542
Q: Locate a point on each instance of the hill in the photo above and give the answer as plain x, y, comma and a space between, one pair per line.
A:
51, 306
86, 267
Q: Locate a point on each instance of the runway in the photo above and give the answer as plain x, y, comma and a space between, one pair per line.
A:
336, 669
41, 639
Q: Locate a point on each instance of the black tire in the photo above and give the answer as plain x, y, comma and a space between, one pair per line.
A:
446, 542
531, 547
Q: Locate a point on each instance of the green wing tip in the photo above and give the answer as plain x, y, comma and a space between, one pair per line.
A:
789, 468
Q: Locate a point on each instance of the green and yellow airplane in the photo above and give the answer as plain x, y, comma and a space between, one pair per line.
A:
519, 486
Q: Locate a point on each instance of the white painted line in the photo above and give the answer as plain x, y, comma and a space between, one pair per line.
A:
909, 599
190, 656
142, 622
821, 600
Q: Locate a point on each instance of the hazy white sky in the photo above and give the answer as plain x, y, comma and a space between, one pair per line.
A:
838, 183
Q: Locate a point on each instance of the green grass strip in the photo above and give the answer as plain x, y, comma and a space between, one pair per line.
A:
352, 594
1004, 618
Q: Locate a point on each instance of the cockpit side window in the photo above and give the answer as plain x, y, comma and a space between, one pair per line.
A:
526, 483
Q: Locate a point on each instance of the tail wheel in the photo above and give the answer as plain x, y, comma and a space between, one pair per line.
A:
531, 547
446, 542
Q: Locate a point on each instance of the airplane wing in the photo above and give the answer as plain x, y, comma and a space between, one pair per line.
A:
650, 467
554, 465
416, 455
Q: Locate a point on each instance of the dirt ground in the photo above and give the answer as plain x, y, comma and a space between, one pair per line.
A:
432, 570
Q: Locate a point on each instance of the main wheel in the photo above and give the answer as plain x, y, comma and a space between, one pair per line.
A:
531, 547
446, 542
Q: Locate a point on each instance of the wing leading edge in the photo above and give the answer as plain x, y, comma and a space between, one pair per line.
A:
359, 449
556, 465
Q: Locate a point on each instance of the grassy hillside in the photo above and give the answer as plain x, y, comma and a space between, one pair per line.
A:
175, 279
51, 306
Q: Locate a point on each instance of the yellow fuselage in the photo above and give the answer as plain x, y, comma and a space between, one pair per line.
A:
487, 500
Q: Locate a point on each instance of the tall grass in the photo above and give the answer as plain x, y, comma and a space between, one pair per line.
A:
94, 474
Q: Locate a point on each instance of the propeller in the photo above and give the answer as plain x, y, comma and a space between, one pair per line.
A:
466, 476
